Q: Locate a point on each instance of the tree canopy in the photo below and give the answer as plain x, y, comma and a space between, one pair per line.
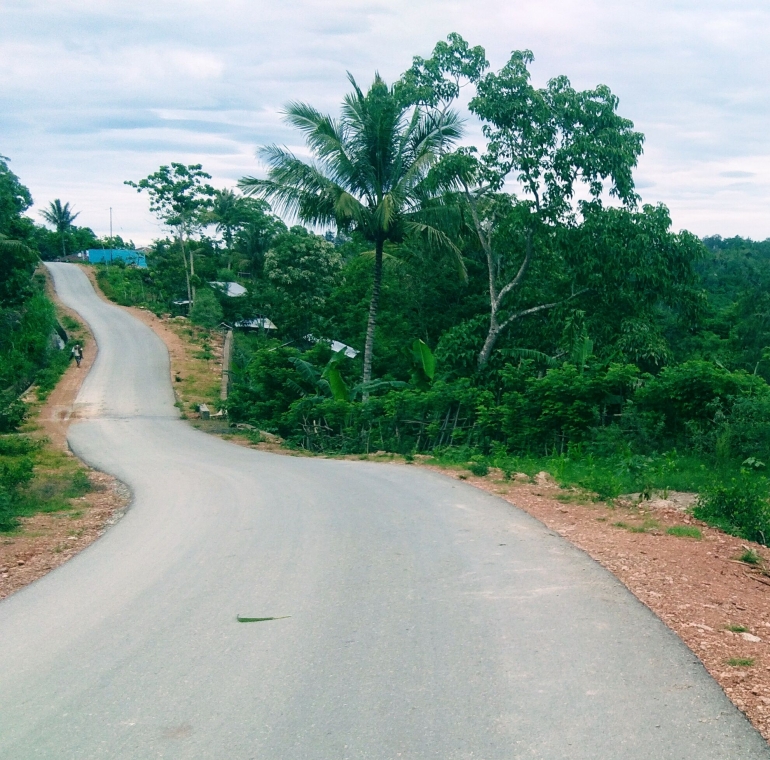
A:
369, 174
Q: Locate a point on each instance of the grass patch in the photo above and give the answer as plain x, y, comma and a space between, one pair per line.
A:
685, 531
750, 557
740, 662
644, 527
479, 469
36, 478
573, 497
736, 628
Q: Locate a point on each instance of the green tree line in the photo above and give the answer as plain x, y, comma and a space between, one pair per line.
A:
513, 298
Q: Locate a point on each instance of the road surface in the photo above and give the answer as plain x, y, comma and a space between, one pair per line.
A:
428, 620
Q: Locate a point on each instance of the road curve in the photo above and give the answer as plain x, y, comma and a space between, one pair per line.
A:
428, 620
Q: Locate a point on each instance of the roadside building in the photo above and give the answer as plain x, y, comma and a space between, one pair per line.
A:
109, 255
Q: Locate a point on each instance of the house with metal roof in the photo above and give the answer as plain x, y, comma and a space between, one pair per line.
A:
232, 289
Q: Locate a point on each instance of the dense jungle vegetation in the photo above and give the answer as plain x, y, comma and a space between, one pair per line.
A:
514, 305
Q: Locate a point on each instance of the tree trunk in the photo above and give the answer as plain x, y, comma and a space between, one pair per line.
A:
186, 273
373, 306
496, 298
192, 275
489, 343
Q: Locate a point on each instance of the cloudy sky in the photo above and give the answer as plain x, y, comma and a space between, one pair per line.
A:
97, 92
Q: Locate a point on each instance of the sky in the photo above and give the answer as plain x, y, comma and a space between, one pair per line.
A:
93, 93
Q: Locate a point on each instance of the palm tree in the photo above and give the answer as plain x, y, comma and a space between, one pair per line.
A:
60, 218
368, 174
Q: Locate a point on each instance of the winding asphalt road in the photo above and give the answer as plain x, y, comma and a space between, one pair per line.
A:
428, 620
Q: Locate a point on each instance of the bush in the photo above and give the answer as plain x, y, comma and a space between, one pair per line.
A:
739, 506
480, 469
7, 513
695, 394
15, 472
12, 412
206, 311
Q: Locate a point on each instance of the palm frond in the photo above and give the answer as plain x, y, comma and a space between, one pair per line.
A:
533, 354
385, 214
438, 240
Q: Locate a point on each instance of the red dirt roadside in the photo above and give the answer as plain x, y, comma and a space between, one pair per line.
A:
697, 587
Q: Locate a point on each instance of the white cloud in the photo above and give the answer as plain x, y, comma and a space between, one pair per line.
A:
99, 91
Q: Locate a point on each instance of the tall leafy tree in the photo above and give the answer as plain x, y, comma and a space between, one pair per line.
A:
368, 173
227, 214
15, 199
180, 197
303, 268
555, 143
61, 218
256, 233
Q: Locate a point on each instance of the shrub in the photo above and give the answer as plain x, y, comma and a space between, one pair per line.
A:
206, 311
7, 514
15, 472
739, 507
12, 412
696, 392
480, 469
685, 531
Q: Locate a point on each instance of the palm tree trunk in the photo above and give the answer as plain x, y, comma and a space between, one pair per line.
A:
373, 306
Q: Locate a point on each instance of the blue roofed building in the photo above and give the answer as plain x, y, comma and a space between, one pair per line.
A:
108, 255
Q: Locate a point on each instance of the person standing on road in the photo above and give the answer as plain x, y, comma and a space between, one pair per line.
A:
77, 352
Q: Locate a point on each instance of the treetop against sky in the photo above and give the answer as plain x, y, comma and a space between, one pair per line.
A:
96, 93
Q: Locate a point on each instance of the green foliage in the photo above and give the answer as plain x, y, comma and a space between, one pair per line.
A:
424, 364
369, 175
206, 311
16, 466
480, 469
685, 531
739, 506
302, 268
750, 557
740, 662
178, 194
15, 199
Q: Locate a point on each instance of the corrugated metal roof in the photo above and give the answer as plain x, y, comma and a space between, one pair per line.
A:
232, 289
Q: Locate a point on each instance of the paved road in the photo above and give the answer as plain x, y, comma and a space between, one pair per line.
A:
429, 621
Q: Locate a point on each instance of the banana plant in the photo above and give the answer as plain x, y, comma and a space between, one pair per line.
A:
331, 384
424, 364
